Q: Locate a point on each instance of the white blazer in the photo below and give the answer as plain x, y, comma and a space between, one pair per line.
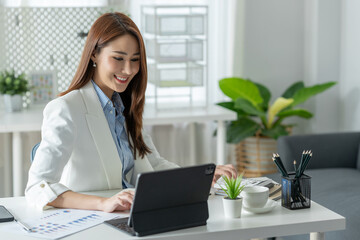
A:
77, 151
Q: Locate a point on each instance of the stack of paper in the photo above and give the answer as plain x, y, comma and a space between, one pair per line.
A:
58, 223
274, 187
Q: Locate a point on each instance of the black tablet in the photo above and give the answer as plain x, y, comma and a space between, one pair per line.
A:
5, 215
169, 200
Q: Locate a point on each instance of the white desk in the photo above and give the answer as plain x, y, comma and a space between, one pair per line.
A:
280, 222
30, 120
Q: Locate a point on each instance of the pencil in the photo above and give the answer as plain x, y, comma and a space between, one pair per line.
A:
302, 159
301, 163
278, 167
306, 162
277, 156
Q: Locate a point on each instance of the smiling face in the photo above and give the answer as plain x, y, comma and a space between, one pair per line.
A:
116, 64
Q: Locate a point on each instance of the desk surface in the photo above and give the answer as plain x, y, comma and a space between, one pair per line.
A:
279, 222
31, 119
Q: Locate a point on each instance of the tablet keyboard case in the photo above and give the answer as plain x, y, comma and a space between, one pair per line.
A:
173, 206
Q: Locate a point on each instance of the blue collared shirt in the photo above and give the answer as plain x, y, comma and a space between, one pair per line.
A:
116, 121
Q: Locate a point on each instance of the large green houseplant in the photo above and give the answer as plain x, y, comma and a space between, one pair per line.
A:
251, 102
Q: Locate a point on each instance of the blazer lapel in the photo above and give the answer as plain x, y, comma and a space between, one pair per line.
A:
102, 137
141, 165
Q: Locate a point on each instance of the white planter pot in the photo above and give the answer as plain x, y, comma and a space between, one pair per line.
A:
232, 207
13, 103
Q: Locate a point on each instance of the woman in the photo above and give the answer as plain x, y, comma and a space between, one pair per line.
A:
92, 135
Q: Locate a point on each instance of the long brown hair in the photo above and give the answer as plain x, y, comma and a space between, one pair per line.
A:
105, 29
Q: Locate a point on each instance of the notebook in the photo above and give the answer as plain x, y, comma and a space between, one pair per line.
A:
168, 200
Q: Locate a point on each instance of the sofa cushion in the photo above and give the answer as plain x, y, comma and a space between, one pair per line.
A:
331, 150
338, 189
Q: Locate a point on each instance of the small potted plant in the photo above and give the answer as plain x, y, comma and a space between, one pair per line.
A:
13, 86
232, 201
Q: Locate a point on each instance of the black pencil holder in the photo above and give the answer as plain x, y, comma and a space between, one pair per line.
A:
296, 192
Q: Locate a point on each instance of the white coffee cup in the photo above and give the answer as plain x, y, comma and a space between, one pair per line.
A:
255, 196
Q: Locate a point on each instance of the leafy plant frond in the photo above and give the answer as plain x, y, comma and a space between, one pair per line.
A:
275, 132
233, 186
289, 93
278, 105
305, 93
241, 88
295, 112
248, 107
265, 94
231, 106
242, 128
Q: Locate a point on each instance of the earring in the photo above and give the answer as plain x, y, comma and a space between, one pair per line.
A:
94, 64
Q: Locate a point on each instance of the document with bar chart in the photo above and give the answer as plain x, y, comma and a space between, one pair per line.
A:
58, 223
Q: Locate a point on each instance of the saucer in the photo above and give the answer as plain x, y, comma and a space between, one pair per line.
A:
270, 205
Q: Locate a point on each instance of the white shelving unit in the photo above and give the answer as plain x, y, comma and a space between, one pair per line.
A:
176, 43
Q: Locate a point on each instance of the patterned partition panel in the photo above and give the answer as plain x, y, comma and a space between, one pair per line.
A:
45, 42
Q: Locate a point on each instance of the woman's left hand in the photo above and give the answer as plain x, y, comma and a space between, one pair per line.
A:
227, 170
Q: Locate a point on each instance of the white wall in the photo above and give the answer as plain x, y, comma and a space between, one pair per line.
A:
350, 67
273, 39
322, 61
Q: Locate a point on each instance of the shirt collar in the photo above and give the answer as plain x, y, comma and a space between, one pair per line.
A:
118, 101
104, 100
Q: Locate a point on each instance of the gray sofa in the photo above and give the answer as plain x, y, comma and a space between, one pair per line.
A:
335, 172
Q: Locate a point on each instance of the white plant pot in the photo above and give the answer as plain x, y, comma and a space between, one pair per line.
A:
232, 207
13, 103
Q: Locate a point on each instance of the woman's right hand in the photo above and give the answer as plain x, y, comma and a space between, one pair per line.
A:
119, 202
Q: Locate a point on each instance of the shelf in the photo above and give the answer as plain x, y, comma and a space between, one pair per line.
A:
180, 50
176, 75
176, 42
175, 20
